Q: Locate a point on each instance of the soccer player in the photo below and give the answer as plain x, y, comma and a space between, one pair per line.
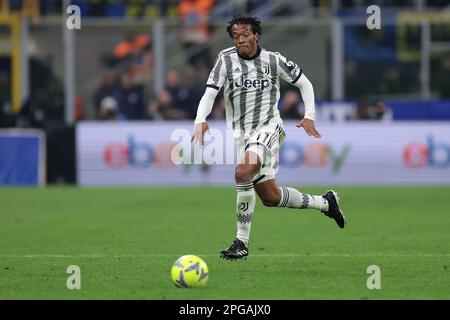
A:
251, 76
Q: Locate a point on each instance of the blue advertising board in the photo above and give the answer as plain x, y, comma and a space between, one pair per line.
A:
22, 158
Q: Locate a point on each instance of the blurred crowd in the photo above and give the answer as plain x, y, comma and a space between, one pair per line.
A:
120, 98
168, 8
125, 90
140, 8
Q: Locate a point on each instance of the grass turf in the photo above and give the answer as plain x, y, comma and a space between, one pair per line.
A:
125, 241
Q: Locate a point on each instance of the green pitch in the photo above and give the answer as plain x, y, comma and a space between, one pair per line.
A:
125, 241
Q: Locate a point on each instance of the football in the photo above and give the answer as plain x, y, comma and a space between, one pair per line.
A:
189, 271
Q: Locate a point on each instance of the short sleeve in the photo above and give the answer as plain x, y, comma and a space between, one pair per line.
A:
217, 75
288, 70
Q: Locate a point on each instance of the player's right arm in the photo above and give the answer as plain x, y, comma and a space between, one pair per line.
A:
215, 81
203, 111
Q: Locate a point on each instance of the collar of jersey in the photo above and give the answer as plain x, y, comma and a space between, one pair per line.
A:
258, 51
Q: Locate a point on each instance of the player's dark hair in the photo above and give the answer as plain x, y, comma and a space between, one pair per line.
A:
240, 19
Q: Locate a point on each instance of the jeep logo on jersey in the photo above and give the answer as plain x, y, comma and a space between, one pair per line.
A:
259, 84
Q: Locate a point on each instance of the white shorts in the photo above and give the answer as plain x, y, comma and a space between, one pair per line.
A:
265, 142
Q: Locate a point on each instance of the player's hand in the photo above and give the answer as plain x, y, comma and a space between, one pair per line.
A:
309, 127
199, 133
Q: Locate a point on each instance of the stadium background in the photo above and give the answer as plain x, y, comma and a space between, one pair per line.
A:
96, 108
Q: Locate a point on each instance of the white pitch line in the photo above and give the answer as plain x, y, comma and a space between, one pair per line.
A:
285, 255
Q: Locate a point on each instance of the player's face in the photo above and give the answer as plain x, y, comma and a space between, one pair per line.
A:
244, 39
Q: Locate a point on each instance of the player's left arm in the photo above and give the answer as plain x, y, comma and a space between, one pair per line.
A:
291, 72
307, 92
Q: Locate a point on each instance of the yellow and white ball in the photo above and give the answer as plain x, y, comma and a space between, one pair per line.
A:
190, 271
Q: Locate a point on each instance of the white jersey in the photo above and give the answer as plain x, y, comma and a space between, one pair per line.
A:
251, 87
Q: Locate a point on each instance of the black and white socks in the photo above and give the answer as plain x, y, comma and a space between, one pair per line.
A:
245, 205
292, 198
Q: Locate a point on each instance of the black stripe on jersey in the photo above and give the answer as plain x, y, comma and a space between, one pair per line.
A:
243, 97
298, 77
273, 90
212, 86
259, 179
217, 71
229, 69
259, 93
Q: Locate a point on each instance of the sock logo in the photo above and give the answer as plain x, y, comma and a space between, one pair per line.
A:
243, 206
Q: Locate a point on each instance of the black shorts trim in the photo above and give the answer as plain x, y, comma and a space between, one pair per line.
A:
259, 179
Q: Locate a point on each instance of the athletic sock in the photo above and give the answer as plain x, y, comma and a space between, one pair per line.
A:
245, 205
292, 198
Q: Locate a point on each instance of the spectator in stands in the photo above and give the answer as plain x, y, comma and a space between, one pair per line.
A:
106, 88
109, 109
132, 44
32, 114
181, 95
363, 111
130, 98
289, 105
178, 101
372, 110
195, 32
196, 88
163, 108
379, 111
44, 108
51, 100
135, 54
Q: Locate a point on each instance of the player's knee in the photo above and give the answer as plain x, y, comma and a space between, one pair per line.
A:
272, 198
270, 201
243, 173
